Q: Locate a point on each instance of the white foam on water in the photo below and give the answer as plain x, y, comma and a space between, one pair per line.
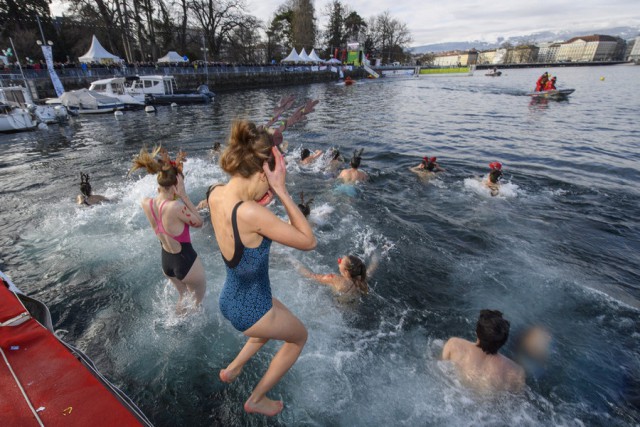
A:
507, 189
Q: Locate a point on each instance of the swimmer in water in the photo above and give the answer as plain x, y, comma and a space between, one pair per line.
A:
307, 158
216, 150
85, 197
244, 229
336, 160
353, 174
493, 179
304, 207
352, 279
533, 348
479, 364
170, 215
427, 167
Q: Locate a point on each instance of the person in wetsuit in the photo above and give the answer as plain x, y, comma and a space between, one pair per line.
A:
494, 177
244, 229
171, 214
542, 81
551, 84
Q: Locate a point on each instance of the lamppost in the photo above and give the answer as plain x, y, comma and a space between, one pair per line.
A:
206, 66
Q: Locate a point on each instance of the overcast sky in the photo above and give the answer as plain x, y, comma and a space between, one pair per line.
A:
467, 20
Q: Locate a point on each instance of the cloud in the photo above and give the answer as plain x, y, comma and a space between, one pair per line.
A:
472, 20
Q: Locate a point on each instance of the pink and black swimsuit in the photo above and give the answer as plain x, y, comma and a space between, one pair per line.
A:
175, 265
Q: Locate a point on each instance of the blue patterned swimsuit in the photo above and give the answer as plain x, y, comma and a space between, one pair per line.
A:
246, 295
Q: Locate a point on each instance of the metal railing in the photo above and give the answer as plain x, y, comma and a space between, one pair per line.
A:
105, 72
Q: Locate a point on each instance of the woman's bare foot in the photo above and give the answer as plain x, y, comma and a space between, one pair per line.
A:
264, 406
228, 375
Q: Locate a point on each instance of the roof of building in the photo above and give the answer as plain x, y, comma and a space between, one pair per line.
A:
593, 38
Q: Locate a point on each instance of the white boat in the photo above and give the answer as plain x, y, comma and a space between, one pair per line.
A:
85, 101
19, 96
115, 88
163, 90
16, 119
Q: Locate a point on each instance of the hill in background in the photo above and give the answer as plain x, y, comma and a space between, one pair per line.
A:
545, 36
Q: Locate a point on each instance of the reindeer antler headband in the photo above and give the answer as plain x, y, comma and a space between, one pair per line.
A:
300, 114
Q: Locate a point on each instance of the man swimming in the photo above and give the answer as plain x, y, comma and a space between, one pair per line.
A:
479, 364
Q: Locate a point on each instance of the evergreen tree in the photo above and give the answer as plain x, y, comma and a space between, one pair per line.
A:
304, 25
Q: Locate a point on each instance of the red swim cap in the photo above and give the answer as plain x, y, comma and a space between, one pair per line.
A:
433, 159
495, 165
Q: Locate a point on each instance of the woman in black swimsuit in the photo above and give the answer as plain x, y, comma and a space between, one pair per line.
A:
171, 214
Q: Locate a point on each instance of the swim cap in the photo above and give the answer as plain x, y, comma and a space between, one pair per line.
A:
495, 165
433, 159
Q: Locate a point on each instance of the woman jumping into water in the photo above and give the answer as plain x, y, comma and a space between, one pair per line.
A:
244, 229
171, 214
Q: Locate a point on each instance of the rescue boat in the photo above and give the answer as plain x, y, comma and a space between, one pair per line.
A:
48, 382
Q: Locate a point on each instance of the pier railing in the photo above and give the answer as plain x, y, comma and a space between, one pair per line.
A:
106, 72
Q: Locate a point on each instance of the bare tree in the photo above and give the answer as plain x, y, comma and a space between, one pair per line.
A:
217, 19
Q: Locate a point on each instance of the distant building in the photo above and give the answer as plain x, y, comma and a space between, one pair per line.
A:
501, 56
456, 59
634, 54
547, 52
523, 54
486, 57
589, 48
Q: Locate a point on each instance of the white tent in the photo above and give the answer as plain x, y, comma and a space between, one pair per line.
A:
314, 56
293, 57
334, 61
97, 53
304, 57
172, 56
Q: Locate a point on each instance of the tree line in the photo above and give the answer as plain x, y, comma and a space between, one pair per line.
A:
221, 30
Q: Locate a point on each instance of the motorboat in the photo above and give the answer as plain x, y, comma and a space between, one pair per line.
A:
16, 119
115, 88
494, 73
85, 101
47, 381
552, 94
163, 90
19, 96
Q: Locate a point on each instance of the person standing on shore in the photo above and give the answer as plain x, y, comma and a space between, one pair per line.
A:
244, 229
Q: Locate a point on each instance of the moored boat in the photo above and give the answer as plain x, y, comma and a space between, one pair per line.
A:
19, 96
85, 101
47, 382
163, 90
115, 88
16, 119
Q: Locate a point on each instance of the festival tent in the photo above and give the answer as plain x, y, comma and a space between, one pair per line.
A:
334, 61
97, 53
293, 57
172, 56
314, 56
304, 57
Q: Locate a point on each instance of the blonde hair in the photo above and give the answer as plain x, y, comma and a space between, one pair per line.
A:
166, 169
248, 148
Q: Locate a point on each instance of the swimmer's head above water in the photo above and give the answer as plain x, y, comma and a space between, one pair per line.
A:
85, 187
304, 207
305, 153
356, 270
492, 331
495, 165
356, 158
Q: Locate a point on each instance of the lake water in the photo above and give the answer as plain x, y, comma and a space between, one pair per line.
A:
558, 248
